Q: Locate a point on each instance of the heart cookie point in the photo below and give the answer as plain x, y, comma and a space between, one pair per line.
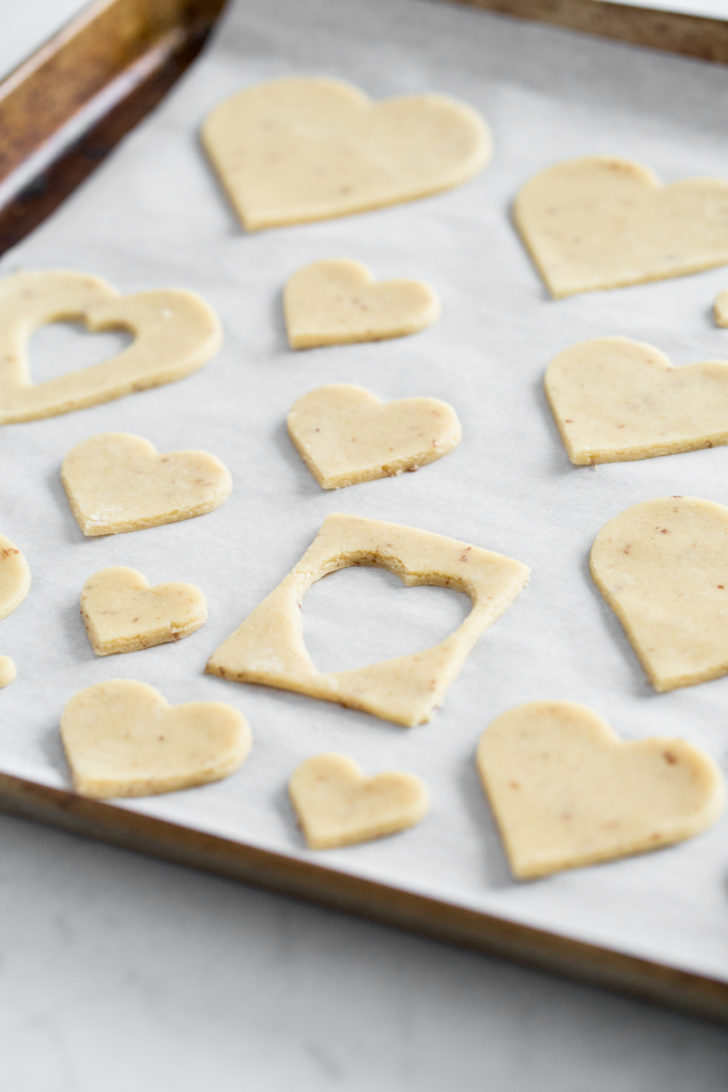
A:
14, 577
720, 309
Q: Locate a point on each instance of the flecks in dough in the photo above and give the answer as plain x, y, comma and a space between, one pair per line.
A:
14, 577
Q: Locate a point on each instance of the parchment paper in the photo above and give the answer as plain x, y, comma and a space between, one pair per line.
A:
153, 216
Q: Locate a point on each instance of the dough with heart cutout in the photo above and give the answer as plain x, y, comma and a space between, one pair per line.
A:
615, 399
345, 434
298, 149
116, 482
122, 739
602, 222
566, 792
14, 577
337, 301
337, 805
8, 671
175, 333
122, 613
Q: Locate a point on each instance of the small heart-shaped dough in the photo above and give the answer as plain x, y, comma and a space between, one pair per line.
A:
601, 222
8, 671
14, 577
566, 792
122, 739
116, 482
337, 805
308, 148
122, 613
720, 309
615, 399
345, 434
336, 302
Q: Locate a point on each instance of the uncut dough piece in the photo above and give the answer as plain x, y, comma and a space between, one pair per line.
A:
122, 613
268, 647
14, 577
116, 482
337, 302
122, 739
566, 792
662, 567
602, 222
720, 309
299, 149
345, 434
615, 399
175, 333
337, 805
8, 671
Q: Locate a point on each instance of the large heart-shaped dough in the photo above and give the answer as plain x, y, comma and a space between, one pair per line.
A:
567, 792
122, 739
14, 577
600, 222
336, 302
116, 482
616, 399
122, 613
337, 805
175, 333
344, 434
301, 149
663, 568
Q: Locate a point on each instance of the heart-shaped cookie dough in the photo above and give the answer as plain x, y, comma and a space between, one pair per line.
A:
122, 739
337, 805
344, 434
122, 613
663, 568
309, 148
8, 671
720, 309
336, 302
116, 482
14, 577
616, 399
567, 792
600, 222
175, 333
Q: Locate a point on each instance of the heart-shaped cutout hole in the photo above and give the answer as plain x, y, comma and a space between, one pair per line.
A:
60, 347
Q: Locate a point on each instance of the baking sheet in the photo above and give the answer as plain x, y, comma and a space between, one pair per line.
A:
153, 216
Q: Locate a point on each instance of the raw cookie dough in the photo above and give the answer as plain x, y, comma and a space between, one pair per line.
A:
116, 482
566, 792
8, 671
14, 577
268, 647
720, 309
122, 739
310, 148
175, 333
615, 399
337, 805
662, 567
122, 613
345, 434
338, 301
602, 222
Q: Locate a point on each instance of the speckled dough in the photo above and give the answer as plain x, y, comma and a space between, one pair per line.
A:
616, 399
720, 309
268, 647
116, 482
175, 333
601, 222
663, 568
345, 434
122, 613
14, 577
336, 302
309, 148
567, 792
8, 671
337, 805
122, 739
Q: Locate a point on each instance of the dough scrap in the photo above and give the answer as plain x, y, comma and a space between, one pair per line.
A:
336, 302
567, 792
345, 435
615, 399
14, 577
662, 567
601, 222
8, 671
175, 334
268, 647
720, 309
299, 149
122, 613
116, 482
337, 805
122, 739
